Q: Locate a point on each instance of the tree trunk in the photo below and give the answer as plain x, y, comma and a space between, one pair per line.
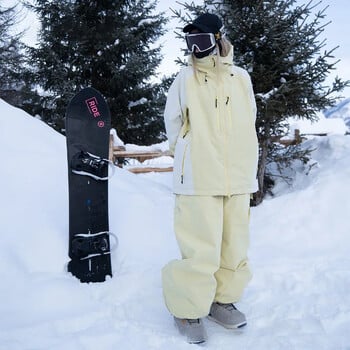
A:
259, 195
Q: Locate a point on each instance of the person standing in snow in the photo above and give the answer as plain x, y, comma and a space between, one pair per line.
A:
210, 123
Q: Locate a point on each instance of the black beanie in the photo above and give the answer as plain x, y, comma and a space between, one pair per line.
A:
206, 23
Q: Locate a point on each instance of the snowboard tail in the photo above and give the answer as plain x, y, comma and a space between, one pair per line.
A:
91, 270
87, 132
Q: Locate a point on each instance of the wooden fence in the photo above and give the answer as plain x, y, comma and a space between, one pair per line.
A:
117, 155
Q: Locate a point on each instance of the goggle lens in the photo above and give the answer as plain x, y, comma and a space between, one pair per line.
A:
200, 41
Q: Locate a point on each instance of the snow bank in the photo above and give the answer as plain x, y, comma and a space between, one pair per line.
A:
298, 299
158, 147
300, 252
322, 126
341, 110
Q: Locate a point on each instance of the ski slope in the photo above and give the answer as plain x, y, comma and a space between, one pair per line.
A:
300, 240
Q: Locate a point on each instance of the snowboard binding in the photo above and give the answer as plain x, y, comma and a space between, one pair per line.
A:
85, 163
86, 246
90, 256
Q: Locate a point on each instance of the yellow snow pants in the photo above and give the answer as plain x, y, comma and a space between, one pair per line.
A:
213, 236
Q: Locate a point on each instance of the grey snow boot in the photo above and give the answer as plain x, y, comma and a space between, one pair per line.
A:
193, 329
227, 315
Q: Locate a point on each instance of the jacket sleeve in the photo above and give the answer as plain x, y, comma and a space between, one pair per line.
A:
247, 82
251, 93
173, 113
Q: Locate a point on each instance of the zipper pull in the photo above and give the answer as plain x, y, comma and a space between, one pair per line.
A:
227, 99
216, 102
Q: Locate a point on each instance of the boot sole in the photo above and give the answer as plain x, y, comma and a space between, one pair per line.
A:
228, 326
197, 342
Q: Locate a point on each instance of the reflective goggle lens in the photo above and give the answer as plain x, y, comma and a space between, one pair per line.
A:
201, 41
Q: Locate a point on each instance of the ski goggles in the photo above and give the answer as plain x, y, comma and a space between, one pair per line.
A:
200, 41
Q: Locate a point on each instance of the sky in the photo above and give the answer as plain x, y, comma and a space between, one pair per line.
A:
336, 33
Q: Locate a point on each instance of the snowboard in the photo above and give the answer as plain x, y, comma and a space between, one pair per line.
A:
88, 123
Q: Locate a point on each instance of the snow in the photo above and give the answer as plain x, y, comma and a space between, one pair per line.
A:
268, 95
146, 21
330, 125
141, 101
341, 110
298, 299
117, 141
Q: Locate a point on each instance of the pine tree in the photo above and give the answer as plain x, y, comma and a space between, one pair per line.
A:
11, 57
280, 45
109, 45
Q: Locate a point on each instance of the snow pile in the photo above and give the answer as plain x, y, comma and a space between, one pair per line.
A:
324, 125
158, 147
117, 141
300, 250
341, 110
298, 299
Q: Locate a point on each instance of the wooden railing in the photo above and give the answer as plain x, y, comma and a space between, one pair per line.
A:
117, 155
288, 142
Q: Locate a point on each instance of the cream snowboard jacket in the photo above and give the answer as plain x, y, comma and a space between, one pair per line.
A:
210, 123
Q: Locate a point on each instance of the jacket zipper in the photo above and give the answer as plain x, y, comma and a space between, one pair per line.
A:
226, 163
183, 164
217, 114
229, 112
185, 150
186, 124
227, 126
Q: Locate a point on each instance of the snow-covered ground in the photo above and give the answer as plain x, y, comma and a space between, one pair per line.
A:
300, 240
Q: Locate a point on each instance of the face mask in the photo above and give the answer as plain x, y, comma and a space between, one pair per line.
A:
200, 42
204, 53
